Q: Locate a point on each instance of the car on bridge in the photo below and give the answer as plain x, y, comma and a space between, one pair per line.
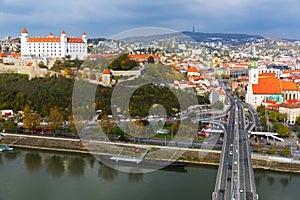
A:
221, 191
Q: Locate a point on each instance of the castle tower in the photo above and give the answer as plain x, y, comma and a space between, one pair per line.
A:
63, 41
253, 70
106, 77
84, 37
24, 39
253, 77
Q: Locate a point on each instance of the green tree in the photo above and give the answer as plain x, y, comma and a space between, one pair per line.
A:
218, 105
272, 150
123, 63
9, 125
261, 110
273, 116
42, 65
71, 124
150, 60
54, 119
31, 119
282, 129
19, 101
286, 151
68, 57
298, 120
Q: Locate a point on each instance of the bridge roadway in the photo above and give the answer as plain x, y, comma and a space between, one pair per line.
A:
235, 179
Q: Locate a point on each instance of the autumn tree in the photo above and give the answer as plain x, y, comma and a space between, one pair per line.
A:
9, 125
282, 129
71, 124
42, 65
286, 151
31, 119
298, 120
54, 119
151, 60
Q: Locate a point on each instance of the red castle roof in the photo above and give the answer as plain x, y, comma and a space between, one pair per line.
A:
24, 30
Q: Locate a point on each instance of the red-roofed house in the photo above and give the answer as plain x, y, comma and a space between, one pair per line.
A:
50, 46
193, 72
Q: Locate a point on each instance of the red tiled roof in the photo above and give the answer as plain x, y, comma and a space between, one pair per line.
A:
290, 105
24, 30
290, 71
44, 39
63, 32
106, 71
292, 101
192, 69
84, 33
16, 55
268, 74
267, 85
288, 85
142, 56
29, 64
270, 101
75, 40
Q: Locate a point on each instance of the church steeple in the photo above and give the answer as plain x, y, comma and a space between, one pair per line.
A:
253, 70
254, 59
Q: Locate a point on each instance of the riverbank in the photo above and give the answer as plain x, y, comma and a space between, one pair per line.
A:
194, 156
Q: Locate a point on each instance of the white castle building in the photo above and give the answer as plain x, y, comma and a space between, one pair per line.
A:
53, 47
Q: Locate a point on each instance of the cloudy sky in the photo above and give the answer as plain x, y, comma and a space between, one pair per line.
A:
103, 18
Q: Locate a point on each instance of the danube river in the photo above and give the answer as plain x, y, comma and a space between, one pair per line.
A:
35, 175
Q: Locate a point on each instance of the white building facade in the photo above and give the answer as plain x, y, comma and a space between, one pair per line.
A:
53, 47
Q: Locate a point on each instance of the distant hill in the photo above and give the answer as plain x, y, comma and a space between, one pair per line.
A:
202, 37
233, 39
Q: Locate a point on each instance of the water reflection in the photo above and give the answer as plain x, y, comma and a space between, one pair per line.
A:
257, 181
11, 155
91, 162
107, 173
284, 182
271, 180
135, 177
33, 161
76, 167
55, 166
1, 160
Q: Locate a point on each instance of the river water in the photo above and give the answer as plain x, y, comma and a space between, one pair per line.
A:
35, 175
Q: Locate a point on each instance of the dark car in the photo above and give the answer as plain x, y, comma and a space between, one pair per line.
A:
221, 191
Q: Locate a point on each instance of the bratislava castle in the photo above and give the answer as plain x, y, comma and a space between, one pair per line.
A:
53, 47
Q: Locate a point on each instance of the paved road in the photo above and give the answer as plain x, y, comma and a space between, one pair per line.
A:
235, 175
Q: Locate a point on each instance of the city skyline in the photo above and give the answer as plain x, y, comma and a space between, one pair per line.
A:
102, 18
